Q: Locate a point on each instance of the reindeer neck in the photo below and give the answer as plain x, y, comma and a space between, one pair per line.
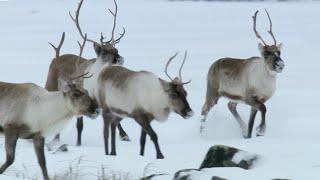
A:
263, 68
59, 103
51, 114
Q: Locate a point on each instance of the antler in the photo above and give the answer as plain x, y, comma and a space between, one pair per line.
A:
114, 13
81, 46
76, 21
169, 61
270, 30
177, 79
78, 69
254, 27
184, 59
57, 49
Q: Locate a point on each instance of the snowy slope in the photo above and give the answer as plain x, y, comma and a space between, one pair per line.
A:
155, 31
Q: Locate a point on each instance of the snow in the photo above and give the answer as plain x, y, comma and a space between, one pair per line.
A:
155, 31
242, 155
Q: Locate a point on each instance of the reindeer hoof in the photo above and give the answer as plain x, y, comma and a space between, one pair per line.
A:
261, 130
113, 154
245, 134
160, 156
125, 138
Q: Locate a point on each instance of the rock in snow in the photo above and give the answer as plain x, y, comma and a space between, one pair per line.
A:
192, 174
219, 156
225, 156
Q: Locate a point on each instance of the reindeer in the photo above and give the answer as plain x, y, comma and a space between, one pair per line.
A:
31, 112
251, 81
142, 96
65, 64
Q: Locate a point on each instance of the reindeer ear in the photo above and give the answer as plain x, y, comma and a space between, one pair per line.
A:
260, 47
97, 48
279, 46
63, 85
81, 68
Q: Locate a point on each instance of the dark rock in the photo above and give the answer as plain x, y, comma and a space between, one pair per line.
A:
217, 178
184, 174
150, 177
225, 156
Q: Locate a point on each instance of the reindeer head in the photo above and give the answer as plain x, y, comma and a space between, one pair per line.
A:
79, 99
108, 54
176, 92
105, 51
269, 53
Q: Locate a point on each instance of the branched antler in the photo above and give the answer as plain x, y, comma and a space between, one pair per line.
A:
255, 26
81, 46
76, 21
114, 13
270, 30
57, 49
78, 68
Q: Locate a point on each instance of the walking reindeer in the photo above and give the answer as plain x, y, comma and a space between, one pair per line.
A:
251, 81
64, 65
142, 96
29, 111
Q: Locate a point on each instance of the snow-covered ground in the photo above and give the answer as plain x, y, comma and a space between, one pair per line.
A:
156, 30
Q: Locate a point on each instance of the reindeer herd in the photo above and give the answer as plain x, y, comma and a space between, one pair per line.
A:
77, 86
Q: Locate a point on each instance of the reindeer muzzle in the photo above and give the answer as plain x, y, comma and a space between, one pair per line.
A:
120, 60
278, 65
94, 113
188, 114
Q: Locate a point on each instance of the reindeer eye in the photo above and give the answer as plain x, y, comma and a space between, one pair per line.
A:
267, 53
174, 95
77, 94
279, 53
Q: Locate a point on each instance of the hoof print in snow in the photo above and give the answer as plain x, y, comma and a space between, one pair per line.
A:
225, 156
192, 174
62, 148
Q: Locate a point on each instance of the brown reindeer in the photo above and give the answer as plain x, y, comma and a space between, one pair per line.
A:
140, 95
251, 81
64, 65
29, 111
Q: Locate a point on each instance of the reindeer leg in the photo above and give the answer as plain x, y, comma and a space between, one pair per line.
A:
145, 124
38, 142
211, 100
251, 121
142, 141
115, 122
258, 105
233, 109
79, 129
11, 138
106, 119
122, 133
